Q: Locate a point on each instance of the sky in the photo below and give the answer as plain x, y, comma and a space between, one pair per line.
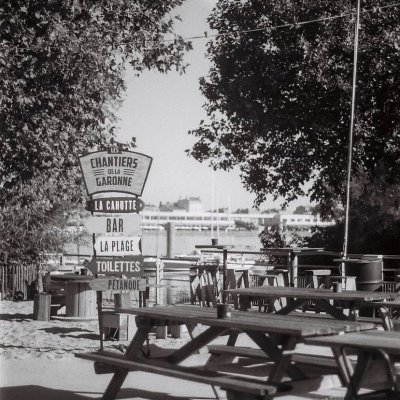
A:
160, 109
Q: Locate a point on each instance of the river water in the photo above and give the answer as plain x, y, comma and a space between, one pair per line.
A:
155, 242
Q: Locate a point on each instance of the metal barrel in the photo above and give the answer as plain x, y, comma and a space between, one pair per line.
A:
368, 273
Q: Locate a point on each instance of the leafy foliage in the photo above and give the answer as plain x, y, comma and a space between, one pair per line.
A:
375, 233
278, 98
374, 222
61, 73
271, 237
30, 224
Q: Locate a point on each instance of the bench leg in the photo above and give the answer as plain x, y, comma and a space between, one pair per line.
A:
244, 303
120, 374
115, 384
195, 344
390, 368
215, 392
223, 358
324, 305
282, 360
363, 361
344, 365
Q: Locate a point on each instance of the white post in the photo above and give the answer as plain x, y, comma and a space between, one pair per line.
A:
212, 203
159, 278
350, 141
217, 215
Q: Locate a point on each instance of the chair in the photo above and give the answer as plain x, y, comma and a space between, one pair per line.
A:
272, 278
204, 283
316, 278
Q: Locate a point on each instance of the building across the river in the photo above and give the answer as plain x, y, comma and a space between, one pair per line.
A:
189, 214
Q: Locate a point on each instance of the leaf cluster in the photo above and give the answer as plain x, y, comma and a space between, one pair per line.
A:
278, 98
62, 65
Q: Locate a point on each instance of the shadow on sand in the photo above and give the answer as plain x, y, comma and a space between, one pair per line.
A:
16, 317
33, 392
63, 332
59, 329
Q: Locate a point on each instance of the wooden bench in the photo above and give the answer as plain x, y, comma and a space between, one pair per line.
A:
223, 353
237, 388
371, 346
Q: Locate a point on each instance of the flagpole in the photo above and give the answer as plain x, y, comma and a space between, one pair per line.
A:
212, 203
350, 139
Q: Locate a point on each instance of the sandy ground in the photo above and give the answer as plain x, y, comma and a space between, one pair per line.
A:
37, 362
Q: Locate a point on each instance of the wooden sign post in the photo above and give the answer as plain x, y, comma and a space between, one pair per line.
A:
117, 247
115, 171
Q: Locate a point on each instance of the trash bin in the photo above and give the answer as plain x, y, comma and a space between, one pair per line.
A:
368, 273
41, 307
368, 276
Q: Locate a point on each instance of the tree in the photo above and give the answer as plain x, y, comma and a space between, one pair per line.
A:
374, 222
271, 237
278, 96
62, 65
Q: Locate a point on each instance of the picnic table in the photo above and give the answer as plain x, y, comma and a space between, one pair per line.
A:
325, 299
373, 347
276, 336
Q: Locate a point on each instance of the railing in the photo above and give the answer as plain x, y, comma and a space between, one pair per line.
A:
173, 273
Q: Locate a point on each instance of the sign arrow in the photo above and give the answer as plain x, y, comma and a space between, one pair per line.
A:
115, 205
131, 266
117, 284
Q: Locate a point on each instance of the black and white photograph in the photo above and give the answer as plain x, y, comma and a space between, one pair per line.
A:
199, 199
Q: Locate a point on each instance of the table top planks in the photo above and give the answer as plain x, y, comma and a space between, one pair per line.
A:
312, 293
384, 340
249, 321
347, 325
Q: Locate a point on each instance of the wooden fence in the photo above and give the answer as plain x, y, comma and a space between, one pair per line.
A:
17, 281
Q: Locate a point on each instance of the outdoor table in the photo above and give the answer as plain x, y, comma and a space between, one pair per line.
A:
297, 297
80, 298
277, 336
292, 254
369, 344
275, 274
224, 249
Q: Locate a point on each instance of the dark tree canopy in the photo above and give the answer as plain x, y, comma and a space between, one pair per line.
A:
278, 98
62, 64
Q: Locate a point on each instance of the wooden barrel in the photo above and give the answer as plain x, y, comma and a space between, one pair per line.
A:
122, 300
80, 300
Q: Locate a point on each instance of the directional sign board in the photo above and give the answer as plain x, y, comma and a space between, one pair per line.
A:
118, 246
121, 224
116, 284
116, 205
131, 266
115, 171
